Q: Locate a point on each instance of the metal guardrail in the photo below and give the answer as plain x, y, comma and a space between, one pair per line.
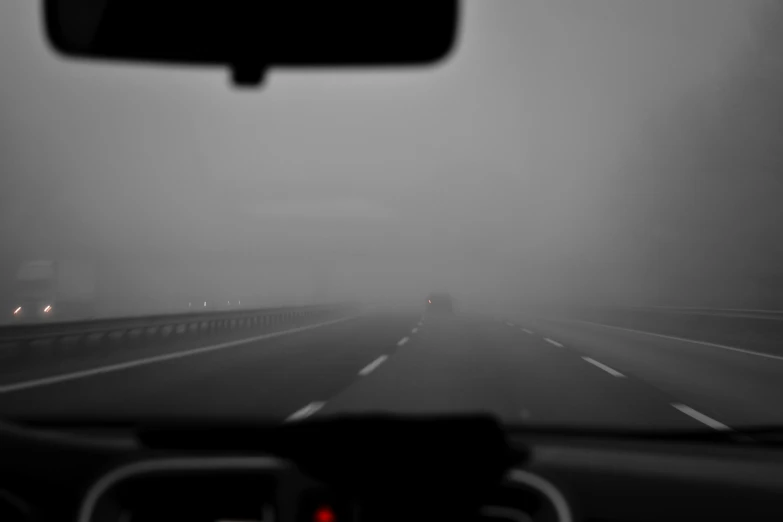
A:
775, 315
709, 309
207, 323
756, 330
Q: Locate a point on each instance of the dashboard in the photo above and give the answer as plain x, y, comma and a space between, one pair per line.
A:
267, 489
377, 469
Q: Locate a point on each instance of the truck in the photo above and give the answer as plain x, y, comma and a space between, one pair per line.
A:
53, 291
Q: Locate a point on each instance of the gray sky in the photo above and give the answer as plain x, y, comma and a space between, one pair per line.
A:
498, 173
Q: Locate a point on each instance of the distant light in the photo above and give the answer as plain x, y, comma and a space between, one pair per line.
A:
17, 310
48, 307
324, 514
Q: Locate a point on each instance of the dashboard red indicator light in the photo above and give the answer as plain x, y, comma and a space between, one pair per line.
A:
324, 514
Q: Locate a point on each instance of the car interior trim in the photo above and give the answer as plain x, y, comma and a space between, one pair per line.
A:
554, 495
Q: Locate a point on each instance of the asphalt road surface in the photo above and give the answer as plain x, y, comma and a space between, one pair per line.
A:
535, 371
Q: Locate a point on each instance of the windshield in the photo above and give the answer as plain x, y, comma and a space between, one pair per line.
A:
594, 185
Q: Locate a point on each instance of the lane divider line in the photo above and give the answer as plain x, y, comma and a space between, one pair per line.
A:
414, 330
550, 341
46, 381
402, 341
709, 421
607, 369
373, 365
305, 412
527, 331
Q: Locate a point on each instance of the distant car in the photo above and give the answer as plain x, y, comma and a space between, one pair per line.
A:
440, 304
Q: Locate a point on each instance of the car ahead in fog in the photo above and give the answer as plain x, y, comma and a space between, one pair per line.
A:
441, 304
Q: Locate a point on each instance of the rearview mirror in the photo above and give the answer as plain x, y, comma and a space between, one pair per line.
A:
250, 36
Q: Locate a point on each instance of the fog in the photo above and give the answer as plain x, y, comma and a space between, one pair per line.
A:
567, 152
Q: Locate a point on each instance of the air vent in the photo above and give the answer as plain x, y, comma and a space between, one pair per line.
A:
194, 496
205, 490
523, 497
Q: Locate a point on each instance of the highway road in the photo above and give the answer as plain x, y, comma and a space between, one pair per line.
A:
524, 370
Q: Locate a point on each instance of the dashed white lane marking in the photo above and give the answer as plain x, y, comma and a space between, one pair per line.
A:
414, 330
683, 339
509, 323
305, 412
527, 331
157, 358
373, 365
402, 341
607, 369
550, 341
712, 423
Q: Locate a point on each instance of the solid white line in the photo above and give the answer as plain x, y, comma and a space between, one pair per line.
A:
610, 371
712, 423
402, 341
414, 330
373, 365
157, 358
527, 331
703, 343
550, 341
305, 412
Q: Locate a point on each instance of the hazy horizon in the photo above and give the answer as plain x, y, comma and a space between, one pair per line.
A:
567, 151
